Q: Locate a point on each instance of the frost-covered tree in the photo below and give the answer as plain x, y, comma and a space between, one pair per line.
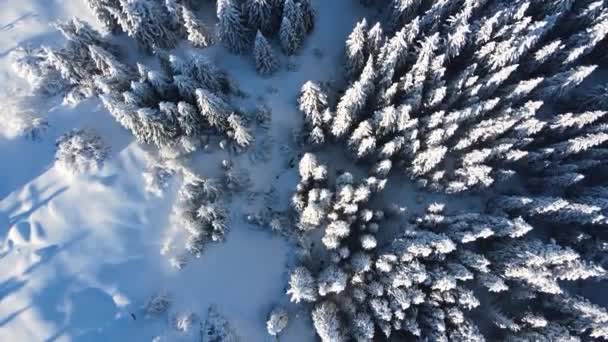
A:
308, 14
184, 321
327, 322
215, 110
302, 286
199, 211
265, 61
261, 15
289, 37
232, 31
157, 305
238, 131
313, 102
356, 50
80, 151
147, 22
217, 328
101, 10
197, 33
34, 66
277, 321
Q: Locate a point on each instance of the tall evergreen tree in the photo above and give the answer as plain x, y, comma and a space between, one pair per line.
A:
308, 14
356, 50
292, 28
100, 8
233, 32
148, 23
265, 61
261, 16
197, 33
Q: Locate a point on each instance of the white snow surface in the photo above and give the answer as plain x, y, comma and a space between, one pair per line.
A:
80, 254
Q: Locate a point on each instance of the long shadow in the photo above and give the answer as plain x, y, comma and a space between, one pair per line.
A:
9, 286
36, 204
48, 253
20, 167
12, 24
12, 316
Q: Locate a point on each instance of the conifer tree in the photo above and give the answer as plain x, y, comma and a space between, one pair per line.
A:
100, 8
313, 102
197, 33
356, 50
261, 16
147, 22
308, 14
292, 28
233, 33
213, 108
265, 61
327, 323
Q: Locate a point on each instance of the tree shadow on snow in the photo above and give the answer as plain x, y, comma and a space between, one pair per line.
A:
9, 286
46, 254
37, 202
12, 24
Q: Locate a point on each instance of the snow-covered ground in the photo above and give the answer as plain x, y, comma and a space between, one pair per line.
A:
79, 256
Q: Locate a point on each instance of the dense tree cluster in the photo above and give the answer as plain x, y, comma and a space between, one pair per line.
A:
75, 67
461, 96
153, 24
245, 26
200, 211
461, 105
442, 269
178, 105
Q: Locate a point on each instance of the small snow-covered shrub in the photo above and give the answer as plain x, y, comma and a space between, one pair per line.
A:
157, 178
17, 119
217, 328
277, 321
183, 322
80, 151
157, 305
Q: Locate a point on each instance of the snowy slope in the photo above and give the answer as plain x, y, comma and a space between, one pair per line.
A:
79, 255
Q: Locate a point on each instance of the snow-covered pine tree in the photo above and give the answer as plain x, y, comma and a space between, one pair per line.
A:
33, 65
80, 151
277, 321
356, 50
213, 108
327, 322
401, 11
148, 23
313, 102
308, 14
292, 30
350, 106
232, 31
81, 35
261, 16
265, 61
302, 286
100, 8
197, 33
217, 328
